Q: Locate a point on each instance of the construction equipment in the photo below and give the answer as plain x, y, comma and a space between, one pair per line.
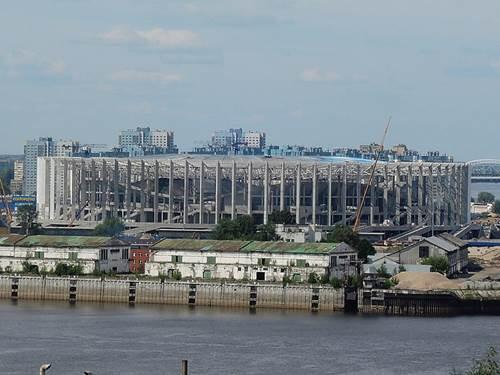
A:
8, 212
78, 213
368, 185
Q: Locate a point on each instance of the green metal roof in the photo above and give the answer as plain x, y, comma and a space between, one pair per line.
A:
10, 239
66, 241
246, 246
289, 247
200, 245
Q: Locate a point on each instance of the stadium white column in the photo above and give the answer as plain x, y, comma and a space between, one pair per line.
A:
233, 191
104, 190
249, 189
397, 185
266, 192
386, 193
314, 193
297, 195
409, 208
186, 187
170, 192
330, 192
128, 189
420, 207
157, 191
344, 194
116, 191
202, 185
282, 187
74, 191
143, 190
83, 190
217, 192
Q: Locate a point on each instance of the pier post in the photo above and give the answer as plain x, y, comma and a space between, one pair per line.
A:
184, 367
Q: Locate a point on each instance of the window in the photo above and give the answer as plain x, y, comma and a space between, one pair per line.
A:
352, 259
211, 260
239, 268
334, 261
39, 255
423, 252
124, 253
103, 254
176, 259
73, 256
264, 261
283, 270
300, 262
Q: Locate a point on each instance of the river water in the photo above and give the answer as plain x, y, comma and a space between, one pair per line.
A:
117, 339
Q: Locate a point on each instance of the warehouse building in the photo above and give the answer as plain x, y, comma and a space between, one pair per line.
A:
189, 189
46, 252
250, 260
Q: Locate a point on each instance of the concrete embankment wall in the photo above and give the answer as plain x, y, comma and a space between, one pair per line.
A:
74, 290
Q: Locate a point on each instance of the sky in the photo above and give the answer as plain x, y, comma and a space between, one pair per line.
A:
311, 72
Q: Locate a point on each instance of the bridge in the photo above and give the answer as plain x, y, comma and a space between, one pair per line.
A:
485, 170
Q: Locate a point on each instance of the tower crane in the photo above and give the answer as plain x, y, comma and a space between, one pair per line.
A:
359, 210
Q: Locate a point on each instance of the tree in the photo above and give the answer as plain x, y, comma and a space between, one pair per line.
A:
485, 197
343, 233
110, 227
496, 207
281, 217
365, 248
488, 365
265, 232
238, 229
438, 264
27, 218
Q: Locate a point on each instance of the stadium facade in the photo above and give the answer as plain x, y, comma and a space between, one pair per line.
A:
205, 190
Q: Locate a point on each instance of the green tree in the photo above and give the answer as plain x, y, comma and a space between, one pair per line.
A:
111, 226
438, 264
488, 365
242, 228
63, 269
27, 217
485, 197
344, 233
265, 232
281, 217
365, 248
496, 207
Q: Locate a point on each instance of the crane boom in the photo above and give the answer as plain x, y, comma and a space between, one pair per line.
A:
374, 166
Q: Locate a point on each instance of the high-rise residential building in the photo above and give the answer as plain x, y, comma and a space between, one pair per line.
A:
144, 141
162, 138
16, 184
237, 139
226, 138
44, 146
254, 139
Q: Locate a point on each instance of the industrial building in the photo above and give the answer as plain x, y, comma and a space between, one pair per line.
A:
204, 190
46, 252
251, 260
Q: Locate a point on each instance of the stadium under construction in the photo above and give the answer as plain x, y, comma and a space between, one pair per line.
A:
204, 190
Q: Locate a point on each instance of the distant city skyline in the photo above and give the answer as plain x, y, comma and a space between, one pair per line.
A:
311, 72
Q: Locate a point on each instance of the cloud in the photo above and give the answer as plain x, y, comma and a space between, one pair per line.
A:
28, 63
157, 37
317, 75
145, 76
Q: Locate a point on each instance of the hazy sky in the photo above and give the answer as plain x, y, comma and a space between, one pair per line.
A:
314, 72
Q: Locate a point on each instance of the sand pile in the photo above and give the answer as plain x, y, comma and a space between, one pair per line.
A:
424, 281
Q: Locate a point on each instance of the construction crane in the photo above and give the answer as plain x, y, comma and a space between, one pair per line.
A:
77, 214
8, 213
359, 210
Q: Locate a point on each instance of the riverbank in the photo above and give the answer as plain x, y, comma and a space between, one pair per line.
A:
252, 296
